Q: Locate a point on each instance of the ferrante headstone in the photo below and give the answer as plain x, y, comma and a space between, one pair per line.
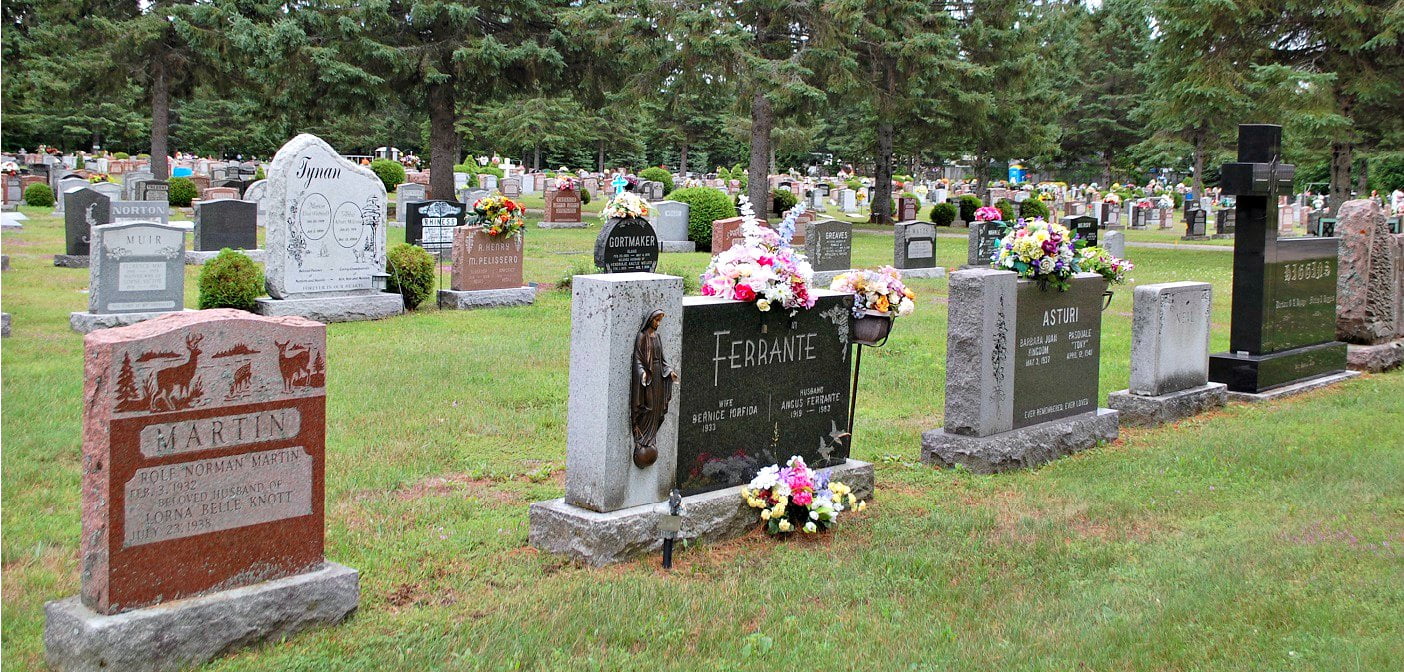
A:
627, 245
430, 224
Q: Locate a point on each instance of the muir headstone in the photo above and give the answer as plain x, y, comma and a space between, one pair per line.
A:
913, 247
136, 267
225, 223
1021, 372
85, 209
203, 446
627, 245
829, 245
562, 209
139, 211
1283, 325
431, 223
1169, 355
750, 374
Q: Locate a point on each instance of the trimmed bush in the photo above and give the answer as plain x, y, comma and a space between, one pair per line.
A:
391, 173
853, 183
182, 192
705, 205
39, 195
259, 174
1006, 209
411, 273
943, 214
584, 195
121, 156
656, 174
782, 200
1034, 207
230, 280
969, 203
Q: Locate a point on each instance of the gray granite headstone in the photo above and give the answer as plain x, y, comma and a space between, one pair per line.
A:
139, 211
914, 245
487, 181
86, 208
257, 192
154, 190
672, 220
137, 267
66, 184
512, 187
405, 194
226, 222
111, 190
130, 180
1170, 337
828, 245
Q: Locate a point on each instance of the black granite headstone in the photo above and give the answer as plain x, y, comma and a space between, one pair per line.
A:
1284, 290
627, 245
914, 245
1196, 223
1084, 226
226, 222
430, 224
1057, 341
759, 387
987, 237
83, 208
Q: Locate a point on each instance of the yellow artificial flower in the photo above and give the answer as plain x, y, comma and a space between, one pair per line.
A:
785, 526
765, 514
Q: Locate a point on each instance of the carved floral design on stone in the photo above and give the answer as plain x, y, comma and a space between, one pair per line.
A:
839, 317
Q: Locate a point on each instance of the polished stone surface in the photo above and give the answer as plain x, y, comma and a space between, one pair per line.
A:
431, 224
829, 245
627, 246
913, 246
226, 223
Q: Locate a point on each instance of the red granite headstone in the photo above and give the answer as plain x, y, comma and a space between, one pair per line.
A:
906, 209
725, 233
201, 183
203, 439
562, 206
215, 193
483, 261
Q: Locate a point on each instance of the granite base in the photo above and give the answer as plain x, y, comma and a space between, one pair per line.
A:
71, 260
486, 298
1222, 236
1375, 358
823, 279
599, 539
199, 257
1293, 389
562, 225
1145, 411
937, 272
373, 306
86, 323
184, 633
1194, 237
679, 246
1258, 374
1020, 448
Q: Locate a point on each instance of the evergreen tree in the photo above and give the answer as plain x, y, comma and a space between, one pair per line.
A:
1107, 82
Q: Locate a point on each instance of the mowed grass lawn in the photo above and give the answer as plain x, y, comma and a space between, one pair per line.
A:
1264, 537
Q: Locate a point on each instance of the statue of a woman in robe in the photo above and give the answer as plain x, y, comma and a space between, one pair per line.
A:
651, 391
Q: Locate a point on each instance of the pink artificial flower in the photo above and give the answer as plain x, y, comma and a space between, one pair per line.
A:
802, 498
745, 293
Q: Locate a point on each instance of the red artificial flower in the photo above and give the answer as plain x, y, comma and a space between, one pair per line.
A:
745, 293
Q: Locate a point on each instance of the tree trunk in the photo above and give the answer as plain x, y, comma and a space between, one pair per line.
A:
536, 158
682, 159
762, 122
1198, 183
1362, 179
601, 157
1341, 157
443, 140
982, 180
882, 178
160, 120
1106, 167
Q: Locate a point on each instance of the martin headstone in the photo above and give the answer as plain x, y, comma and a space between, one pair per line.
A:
562, 210
1283, 327
326, 236
1169, 355
627, 245
430, 224
914, 250
203, 445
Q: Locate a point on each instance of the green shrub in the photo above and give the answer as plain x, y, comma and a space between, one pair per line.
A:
39, 195
1006, 209
782, 200
182, 192
1034, 207
656, 174
705, 205
143, 155
259, 174
121, 156
411, 273
230, 280
943, 214
80, 163
969, 203
853, 183
391, 173
584, 195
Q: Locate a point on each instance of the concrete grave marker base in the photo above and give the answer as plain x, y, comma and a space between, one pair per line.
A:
1294, 388
562, 225
1019, 448
183, 633
1222, 236
1375, 358
599, 539
937, 272
1194, 237
71, 260
355, 308
199, 257
85, 322
822, 279
486, 298
1149, 411
677, 246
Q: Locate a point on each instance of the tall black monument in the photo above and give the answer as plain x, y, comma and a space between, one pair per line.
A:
1283, 327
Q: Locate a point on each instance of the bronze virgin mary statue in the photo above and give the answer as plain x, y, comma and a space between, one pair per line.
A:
651, 391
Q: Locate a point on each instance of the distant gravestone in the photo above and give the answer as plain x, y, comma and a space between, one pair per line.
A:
204, 437
848, 200
64, 185
137, 267
1224, 219
829, 245
671, 224
907, 209
86, 208
112, 190
225, 223
154, 190
487, 181
140, 211
562, 209
512, 187
1196, 225
258, 193
627, 245
129, 183
405, 194
1114, 242
1084, 227
914, 248
430, 224
982, 241
218, 193
1169, 355
725, 233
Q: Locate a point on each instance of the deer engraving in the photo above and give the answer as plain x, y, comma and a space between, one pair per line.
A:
292, 362
173, 384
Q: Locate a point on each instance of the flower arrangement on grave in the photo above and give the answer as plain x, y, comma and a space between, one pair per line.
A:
1144, 204
761, 268
1041, 251
1099, 260
499, 215
1112, 198
797, 498
9, 168
626, 205
988, 213
566, 183
879, 291
97, 178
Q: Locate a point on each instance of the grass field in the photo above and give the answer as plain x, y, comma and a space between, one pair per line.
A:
1266, 537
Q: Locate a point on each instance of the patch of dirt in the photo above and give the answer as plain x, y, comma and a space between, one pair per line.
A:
1012, 508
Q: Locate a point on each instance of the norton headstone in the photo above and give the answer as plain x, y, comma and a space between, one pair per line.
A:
140, 211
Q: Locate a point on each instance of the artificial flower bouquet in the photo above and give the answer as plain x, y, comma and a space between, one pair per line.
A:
566, 183
762, 268
97, 178
988, 213
795, 497
626, 205
1113, 198
1039, 250
1098, 260
879, 291
499, 215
